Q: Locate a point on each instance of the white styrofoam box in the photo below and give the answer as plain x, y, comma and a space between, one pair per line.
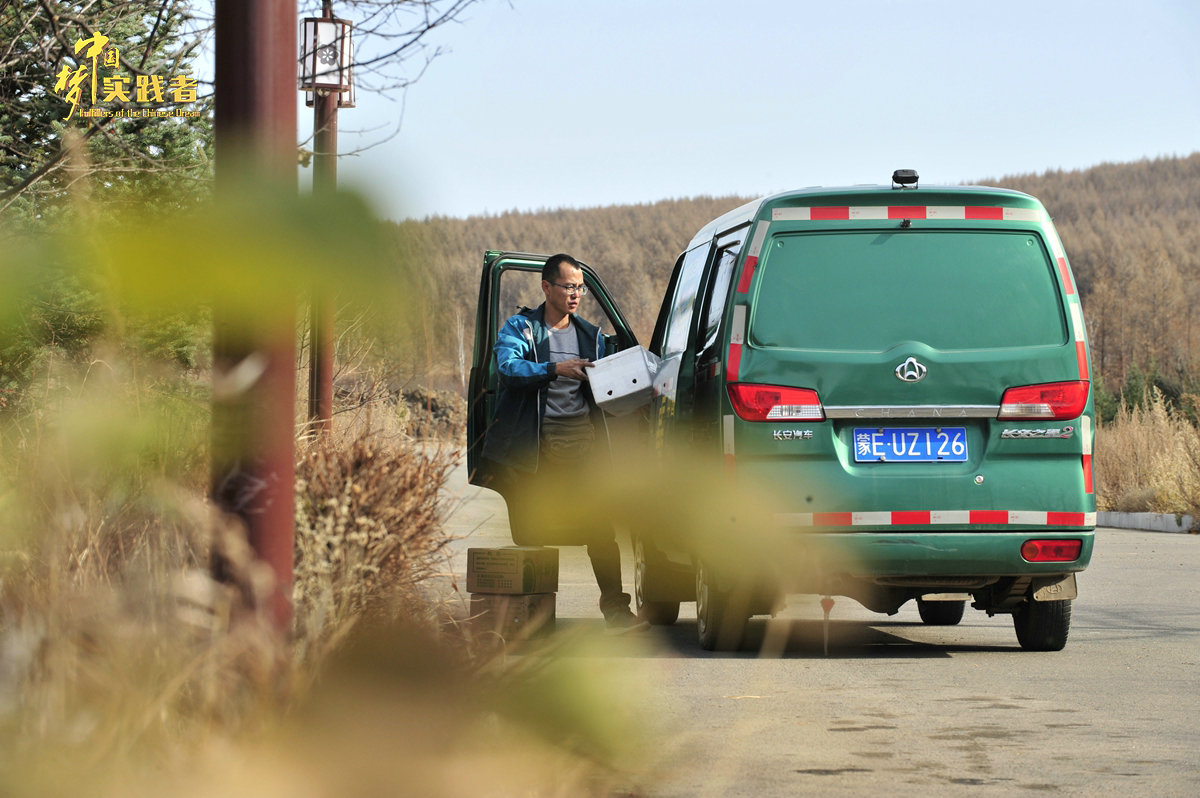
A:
623, 382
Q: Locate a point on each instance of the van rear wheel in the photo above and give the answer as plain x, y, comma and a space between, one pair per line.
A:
657, 613
1043, 625
940, 613
720, 621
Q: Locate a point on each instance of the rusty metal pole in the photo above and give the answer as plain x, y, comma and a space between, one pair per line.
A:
320, 336
254, 375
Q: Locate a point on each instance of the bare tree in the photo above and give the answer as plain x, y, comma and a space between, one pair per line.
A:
392, 47
391, 36
171, 158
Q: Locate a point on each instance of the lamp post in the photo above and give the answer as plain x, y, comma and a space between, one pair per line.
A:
326, 52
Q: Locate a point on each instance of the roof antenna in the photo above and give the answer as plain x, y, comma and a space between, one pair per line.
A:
904, 178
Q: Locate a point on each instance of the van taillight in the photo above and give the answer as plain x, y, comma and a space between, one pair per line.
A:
1051, 550
775, 403
1051, 400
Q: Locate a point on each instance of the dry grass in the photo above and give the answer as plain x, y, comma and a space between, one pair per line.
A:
126, 670
114, 644
1148, 460
367, 535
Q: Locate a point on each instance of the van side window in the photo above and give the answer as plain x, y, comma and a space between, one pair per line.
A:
684, 301
717, 293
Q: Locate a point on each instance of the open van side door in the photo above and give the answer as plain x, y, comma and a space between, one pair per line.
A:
510, 281
706, 367
687, 338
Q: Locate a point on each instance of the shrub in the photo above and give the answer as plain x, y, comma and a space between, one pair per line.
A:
367, 533
439, 415
1148, 459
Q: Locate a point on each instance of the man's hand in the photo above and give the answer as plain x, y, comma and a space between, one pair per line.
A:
573, 368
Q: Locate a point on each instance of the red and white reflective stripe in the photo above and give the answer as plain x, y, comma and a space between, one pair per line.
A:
1060, 258
1081, 354
759, 238
737, 339
756, 244
1077, 327
727, 428
1085, 371
1085, 432
940, 518
1066, 275
733, 368
868, 212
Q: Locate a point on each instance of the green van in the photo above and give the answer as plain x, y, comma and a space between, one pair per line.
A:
904, 370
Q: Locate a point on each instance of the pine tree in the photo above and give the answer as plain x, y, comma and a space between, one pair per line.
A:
50, 151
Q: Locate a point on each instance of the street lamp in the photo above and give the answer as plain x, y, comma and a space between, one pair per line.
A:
326, 52
326, 78
345, 99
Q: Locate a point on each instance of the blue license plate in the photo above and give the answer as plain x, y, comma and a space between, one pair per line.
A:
910, 444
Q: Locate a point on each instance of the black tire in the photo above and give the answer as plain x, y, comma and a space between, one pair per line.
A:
720, 626
941, 613
656, 613
1043, 625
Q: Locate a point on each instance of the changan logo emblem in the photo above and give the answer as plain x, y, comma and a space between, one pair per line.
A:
911, 371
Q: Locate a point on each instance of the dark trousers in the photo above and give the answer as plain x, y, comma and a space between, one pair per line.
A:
558, 506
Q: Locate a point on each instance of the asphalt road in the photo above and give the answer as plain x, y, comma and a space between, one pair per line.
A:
898, 708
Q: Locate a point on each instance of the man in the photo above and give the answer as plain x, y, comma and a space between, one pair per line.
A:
544, 435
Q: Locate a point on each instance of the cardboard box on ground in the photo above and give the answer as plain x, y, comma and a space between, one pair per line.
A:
512, 589
513, 617
512, 570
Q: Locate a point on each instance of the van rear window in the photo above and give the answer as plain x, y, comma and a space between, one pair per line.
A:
869, 291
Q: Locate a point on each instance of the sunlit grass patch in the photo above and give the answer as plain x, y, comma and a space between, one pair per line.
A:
1148, 460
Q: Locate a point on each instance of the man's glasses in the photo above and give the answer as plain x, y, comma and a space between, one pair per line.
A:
572, 290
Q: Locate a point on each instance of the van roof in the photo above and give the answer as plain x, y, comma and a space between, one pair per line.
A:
864, 195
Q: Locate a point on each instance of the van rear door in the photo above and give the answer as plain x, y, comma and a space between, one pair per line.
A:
910, 341
510, 281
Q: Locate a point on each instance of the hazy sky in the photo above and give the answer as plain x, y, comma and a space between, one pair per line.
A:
556, 103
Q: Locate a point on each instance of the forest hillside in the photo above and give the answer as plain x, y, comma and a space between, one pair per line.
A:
1130, 231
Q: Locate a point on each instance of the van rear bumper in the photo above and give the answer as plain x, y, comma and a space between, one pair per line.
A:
872, 556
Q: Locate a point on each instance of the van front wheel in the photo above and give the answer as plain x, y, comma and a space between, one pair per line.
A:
1043, 625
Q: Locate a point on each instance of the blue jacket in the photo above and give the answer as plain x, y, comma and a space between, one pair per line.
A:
523, 364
